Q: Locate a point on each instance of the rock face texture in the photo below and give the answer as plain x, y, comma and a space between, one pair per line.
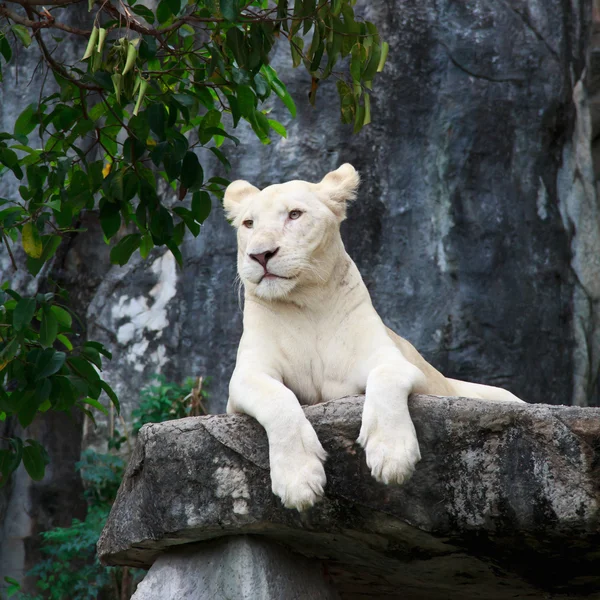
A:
476, 227
505, 502
476, 223
240, 568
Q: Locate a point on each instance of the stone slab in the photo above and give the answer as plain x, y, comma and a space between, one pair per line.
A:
503, 504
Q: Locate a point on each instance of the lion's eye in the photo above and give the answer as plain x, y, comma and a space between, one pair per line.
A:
295, 214
248, 223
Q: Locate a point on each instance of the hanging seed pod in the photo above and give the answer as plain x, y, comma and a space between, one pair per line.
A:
101, 37
142, 93
131, 56
117, 80
96, 61
91, 43
136, 86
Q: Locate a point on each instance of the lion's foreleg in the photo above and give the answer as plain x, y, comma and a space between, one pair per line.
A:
387, 433
295, 453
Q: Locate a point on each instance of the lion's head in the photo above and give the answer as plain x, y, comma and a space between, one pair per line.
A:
288, 234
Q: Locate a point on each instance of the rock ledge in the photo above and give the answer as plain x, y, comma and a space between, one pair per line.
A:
505, 502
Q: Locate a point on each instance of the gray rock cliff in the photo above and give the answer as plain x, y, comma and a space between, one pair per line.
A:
476, 227
475, 223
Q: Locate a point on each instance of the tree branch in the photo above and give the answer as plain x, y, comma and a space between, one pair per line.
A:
55, 66
25, 3
43, 24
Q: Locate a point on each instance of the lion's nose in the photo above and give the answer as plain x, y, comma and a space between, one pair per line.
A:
263, 257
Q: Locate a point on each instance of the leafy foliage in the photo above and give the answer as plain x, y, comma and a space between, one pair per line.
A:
155, 93
165, 401
71, 568
44, 365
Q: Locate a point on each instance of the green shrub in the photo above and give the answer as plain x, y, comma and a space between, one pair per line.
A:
71, 569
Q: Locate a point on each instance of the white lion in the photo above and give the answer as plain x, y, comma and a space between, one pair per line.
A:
311, 334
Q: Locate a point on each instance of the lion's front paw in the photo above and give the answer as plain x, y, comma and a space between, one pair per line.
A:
391, 448
297, 474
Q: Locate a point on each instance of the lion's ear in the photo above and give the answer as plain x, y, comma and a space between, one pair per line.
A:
235, 195
339, 187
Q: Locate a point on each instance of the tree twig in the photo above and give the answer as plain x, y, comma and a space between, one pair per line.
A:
12, 258
42, 24
57, 67
26, 3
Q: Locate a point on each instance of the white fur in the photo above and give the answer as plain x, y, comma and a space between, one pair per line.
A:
312, 334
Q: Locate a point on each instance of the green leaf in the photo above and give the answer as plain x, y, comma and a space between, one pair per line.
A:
235, 109
356, 62
10, 459
157, 117
99, 347
158, 153
278, 127
115, 185
359, 118
49, 362
23, 313
262, 87
32, 242
146, 13
246, 100
172, 166
297, 45
217, 131
50, 244
279, 88
93, 356
367, 118
23, 34
26, 121
373, 64
48, 327
222, 158
188, 218
163, 11
113, 397
161, 226
64, 340
229, 9
133, 150
95, 404
9, 158
172, 246
5, 48
14, 295
13, 588
175, 6
237, 44
9, 351
148, 48
62, 316
146, 245
35, 459
110, 218
122, 252
260, 125
31, 400
141, 216
83, 369
201, 206
192, 175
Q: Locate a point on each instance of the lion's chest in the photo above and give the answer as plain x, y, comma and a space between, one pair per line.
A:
317, 365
